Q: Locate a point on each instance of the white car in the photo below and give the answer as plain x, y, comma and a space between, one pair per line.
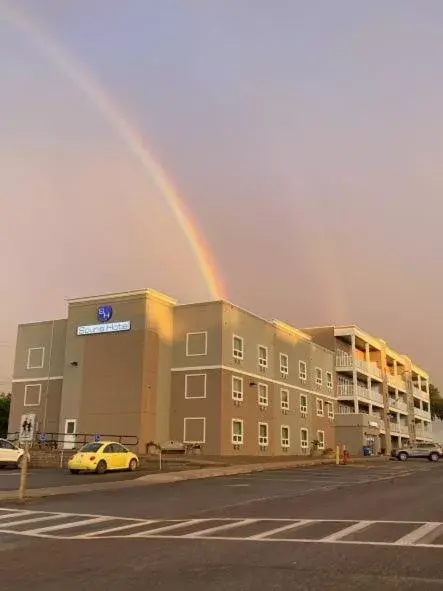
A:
10, 454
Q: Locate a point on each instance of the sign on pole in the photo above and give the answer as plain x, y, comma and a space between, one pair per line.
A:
27, 426
42, 436
97, 438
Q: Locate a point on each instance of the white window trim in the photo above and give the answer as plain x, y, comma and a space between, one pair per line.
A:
262, 361
304, 444
185, 440
322, 443
329, 380
262, 444
267, 394
234, 378
236, 353
194, 375
331, 413
284, 369
39, 394
66, 426
304, 408
318, 380
284, 405
320, 408
233, 436
188, 334
303, 373
28, 366
286, 443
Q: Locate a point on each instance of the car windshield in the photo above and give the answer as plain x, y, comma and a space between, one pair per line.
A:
91, 447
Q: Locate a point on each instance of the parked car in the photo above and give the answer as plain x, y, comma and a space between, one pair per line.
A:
10, 454
432, 451
102, 456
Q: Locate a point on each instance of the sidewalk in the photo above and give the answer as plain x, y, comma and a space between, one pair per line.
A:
171, 477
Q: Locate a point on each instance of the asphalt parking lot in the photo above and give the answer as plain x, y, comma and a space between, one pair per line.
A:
348, 527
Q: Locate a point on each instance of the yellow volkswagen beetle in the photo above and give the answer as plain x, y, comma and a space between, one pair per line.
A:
102, 456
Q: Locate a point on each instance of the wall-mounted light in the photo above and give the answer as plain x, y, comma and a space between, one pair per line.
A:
74, 363
252, 384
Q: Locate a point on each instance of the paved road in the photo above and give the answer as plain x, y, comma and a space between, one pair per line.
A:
47, 477
342, 528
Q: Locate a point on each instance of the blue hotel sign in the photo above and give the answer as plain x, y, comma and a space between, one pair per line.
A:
104, 313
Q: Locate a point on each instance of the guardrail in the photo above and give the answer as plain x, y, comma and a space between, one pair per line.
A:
52, 441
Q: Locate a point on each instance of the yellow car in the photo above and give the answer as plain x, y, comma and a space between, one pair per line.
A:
101, 456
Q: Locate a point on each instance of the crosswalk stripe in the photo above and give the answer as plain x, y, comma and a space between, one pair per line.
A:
66, 525
277, 530
217, 528
140, 522
160, 530
338, 535
416, 535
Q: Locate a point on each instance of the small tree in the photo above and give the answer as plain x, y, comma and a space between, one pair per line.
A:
436, 402
5, 405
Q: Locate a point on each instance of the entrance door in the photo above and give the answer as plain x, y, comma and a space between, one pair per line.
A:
70, 434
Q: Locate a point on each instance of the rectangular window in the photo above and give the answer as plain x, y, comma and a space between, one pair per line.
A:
36, 358
321, 439
237, 431
262, 394
284, 436
284, 399
262, 356
195, 385
33, 394
330, 410
237, 347
318, 376
320, 407
194, 430
263, 434
237, 388
302, 371
303, 403
329, 382
196, 344
284, 364
304, 438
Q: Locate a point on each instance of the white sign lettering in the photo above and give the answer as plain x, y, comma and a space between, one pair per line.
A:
103, 328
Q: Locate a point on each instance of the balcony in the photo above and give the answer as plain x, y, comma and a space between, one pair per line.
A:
345, 361
396, 381
399, 405
423, 414
394, 427
420, 394
348, 391
423, 433
404, 429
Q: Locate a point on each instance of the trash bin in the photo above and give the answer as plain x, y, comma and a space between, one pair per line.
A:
366, 450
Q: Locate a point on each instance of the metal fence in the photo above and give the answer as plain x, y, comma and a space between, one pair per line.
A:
54, 441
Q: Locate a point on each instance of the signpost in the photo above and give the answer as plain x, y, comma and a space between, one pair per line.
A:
27, 427
97, 438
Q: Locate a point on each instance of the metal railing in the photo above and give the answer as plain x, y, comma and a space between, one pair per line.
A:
346, 361
422, 413
420, 393
396, 381
54, 441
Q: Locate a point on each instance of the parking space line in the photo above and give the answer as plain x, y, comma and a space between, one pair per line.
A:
67, 525
338, 535
13, 513
135, 523
33, 520
168, 527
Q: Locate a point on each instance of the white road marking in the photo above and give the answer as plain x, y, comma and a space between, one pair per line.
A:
33, 520
13, 514
419, 533
66, 525
135, 523
338, 535
167, 528
225, 526
277, 530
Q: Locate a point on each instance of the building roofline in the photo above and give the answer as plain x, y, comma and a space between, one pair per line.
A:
147, 292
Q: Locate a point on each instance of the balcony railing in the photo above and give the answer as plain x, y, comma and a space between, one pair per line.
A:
424, 433
345, 361
394, 427
348, 391
404, 429
425, 414
399, 405
420, 393
396, 381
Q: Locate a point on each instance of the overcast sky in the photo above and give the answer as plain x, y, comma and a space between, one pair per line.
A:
305, 138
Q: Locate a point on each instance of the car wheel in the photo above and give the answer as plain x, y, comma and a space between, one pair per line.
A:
132, 465
402, 456
74, 471
101, 467
434, 457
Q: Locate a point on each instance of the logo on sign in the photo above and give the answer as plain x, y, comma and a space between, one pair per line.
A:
104, 313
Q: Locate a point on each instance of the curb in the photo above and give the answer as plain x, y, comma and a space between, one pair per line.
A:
172, 477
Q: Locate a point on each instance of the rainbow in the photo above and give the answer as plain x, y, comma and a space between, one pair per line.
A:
129, 135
